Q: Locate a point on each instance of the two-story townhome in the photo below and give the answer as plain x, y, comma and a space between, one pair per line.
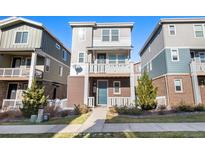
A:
174, 57
29, 51
101, 70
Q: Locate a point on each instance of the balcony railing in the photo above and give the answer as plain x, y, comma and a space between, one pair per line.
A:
109, 68
11, 104
14, 72
197, 67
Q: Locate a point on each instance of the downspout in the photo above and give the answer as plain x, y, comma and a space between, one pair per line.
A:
167, 92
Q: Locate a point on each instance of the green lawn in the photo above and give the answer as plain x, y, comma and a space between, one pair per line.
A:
110, 135
200, 117
72, 119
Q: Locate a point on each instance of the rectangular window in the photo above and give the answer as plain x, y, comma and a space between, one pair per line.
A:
81, 57
178, 85
58, 46
172, 30
28, 62
105, 35
115, 35
198, 30
116, 87
81, 34
112, 59
150, 66
21, 37
149, 49
60, 71
175, 54
65, 55
202, 56
121, 59
47, 64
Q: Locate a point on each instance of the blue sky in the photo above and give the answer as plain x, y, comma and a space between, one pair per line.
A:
58, 25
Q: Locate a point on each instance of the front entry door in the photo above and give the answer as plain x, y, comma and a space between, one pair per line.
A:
102, 92
16, 63
12, 91
101, 58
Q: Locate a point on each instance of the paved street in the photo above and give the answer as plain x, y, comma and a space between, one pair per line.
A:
96, 123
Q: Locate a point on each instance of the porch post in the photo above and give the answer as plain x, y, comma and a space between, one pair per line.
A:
32, 69
132, 83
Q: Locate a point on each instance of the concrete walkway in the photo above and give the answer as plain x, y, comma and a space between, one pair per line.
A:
95, 123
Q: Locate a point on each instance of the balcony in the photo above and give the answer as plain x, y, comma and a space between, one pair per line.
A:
197, 68
113, 69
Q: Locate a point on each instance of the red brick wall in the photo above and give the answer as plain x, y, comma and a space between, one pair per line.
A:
161, 86
75, 90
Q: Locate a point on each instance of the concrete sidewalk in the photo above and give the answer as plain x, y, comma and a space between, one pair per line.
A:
96, 123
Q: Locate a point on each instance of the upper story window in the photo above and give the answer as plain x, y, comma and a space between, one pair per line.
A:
198, 30
115, 34
58, 46
21, 37
150, 66
65, 55
60, 70
172, 30
175, 54
112, 59
121, 59
47, 63
116, 87
105, 35
81, 34
81, 57
178, 85
149, 49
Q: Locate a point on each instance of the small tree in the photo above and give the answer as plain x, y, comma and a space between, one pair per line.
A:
33, 99
146, 93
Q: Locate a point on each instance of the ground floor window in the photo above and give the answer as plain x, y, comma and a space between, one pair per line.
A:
178, 85
116, 87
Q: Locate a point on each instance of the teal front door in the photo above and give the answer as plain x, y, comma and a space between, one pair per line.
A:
102, 92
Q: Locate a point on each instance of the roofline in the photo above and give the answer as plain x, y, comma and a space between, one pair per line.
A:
168, 20
13, 19
106, 24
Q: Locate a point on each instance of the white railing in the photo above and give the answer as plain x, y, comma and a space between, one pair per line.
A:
11, 104
120, 101
91, 101
109, 68
14, 72
197, 67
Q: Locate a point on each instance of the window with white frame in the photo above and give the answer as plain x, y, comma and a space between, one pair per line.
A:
198, 30
21, 37
172, 30
116, 87
115, 35
150, 65
47, 64
81, 57
82, 34
121, 59
65, 55
112, 59
105, 35
175, 54
149, 49
178, 85
60, 70
58, 46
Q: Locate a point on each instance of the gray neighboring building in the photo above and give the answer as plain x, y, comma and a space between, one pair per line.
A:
29, 51
174, 57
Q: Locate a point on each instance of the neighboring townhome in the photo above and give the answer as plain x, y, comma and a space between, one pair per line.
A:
29, 51
101, 70
174, 57
137, 72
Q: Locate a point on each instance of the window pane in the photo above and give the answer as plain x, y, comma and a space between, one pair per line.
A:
115, 38
112, 58
81, 57
18, 37
105, 38
178, 85
199, 33
115, 35
121, 58
198, 28
116, 87
24, 37
106, 32
105, 35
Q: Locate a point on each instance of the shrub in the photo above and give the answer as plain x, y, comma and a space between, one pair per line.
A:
199, 107
33, 99
146, 93
185, 108
81, 109
128, 110
11, 114
161, 109
52, 110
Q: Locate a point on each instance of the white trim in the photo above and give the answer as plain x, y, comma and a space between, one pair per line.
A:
110, 34
61, 70
171, 74
202, 30
97, 93
170, 30
81, 57
118, 34
181, 84
176, 49
14, 38
102, 34
118, 93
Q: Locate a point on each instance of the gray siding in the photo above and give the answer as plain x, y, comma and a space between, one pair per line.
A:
181, 66
49, 46
156, 45
9, 33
